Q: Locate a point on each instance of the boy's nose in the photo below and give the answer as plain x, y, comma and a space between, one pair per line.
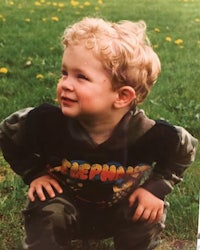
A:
66, 83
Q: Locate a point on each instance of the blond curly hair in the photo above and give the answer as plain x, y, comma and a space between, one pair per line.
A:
123, 48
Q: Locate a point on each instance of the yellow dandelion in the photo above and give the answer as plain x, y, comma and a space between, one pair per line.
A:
37, 3
168, 39
42, 1
44, 19
178, 41
55, 18
155, 46
87, 3
96, 8
55, 4
157, 30
27, 20
100, 2
39, 76
2, 18
197, 20
74, 3
11, 3
61, 5
3, 70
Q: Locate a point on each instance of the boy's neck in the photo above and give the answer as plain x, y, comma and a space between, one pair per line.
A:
100, 130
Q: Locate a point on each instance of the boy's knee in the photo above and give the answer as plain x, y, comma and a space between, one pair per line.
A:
56, 211
54, 221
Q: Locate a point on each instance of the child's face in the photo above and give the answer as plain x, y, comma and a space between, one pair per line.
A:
85, 89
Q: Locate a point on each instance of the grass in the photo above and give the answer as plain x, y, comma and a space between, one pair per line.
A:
31, 54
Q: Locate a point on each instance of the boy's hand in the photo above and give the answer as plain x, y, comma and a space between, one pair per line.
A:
42, 183
149, 207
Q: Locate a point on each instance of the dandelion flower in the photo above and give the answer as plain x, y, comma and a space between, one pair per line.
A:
157, 30
74, 3
197, 20
61, 5
2, 18
37, 3
39, 76
178, 41
168, 39
55, 18
3, 70
27, 20
100, 1
87, 3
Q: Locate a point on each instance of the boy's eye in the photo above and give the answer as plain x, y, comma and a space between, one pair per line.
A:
81, 76
64, 73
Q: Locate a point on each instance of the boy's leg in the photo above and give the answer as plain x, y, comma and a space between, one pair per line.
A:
136, 235
49, 224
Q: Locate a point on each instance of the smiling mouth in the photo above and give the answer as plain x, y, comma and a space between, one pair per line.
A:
67, 100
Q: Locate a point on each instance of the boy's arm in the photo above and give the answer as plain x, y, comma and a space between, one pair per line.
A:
15, 147
170, 172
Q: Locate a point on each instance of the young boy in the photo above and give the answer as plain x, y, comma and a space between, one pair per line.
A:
97, 166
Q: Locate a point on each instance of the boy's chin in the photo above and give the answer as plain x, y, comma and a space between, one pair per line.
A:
67, 112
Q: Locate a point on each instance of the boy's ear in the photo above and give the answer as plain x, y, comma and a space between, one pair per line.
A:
125, 97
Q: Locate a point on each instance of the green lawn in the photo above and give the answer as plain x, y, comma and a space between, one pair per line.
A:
30, 58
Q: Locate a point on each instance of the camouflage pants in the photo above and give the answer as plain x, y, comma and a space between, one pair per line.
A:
53, 223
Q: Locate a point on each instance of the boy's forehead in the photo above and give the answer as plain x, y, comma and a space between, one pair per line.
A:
80, 52
80, 59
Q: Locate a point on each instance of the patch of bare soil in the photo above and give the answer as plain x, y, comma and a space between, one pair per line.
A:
177, 245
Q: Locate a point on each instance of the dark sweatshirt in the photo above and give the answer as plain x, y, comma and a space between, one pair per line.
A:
140, 152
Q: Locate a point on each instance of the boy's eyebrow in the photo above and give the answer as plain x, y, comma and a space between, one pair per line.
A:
64, 66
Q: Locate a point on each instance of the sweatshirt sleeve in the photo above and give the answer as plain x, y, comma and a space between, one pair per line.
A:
14, 145
169, 172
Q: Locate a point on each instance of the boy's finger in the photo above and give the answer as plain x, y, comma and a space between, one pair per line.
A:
31, 194
132, 199
159, 215
153, 217
40, 193
146, 215
57, 187
50, 191
138, 213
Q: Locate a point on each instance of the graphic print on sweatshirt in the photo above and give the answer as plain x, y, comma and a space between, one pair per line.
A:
115, 180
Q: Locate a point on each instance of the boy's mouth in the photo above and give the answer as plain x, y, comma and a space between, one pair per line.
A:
67, 99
